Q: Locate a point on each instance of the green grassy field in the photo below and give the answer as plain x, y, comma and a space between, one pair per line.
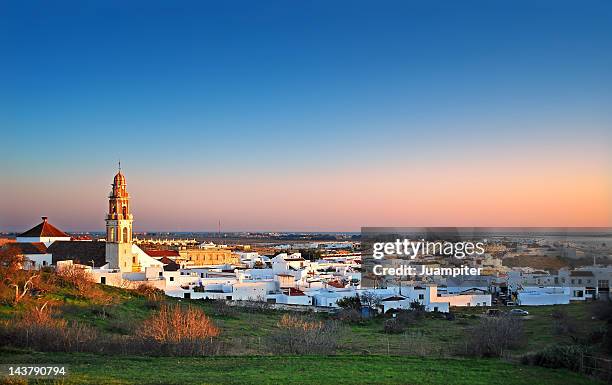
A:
95, 369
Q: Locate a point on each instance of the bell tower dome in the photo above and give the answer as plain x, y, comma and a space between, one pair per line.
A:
119, 227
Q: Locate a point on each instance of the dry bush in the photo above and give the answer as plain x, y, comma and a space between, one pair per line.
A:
82, 282
304, 335
602, 310
221, 308
350, 316
178, 330
565, 324
75, 277
493, 336
394, 326
39, 328
150, 292
578, 358
175, 331
16, 284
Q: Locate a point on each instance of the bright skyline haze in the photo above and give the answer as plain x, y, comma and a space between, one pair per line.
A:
311, 116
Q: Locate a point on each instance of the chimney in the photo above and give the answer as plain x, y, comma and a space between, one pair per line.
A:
44, 219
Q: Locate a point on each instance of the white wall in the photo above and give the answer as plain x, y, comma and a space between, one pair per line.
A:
46, 240
39, 260
533, 296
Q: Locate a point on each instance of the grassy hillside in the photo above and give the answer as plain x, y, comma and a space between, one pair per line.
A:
367, 354
244, 329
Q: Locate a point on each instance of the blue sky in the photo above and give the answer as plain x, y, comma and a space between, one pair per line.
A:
207, 89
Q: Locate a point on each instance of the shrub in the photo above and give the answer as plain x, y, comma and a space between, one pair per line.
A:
408, 317
493, 335
602, 310
393, 326
150, 292
82, 281
152, 304
572, 357
38, 328
221, 308
353, 303
304, 335
351, 316
416, 305
178, 330
121, 326
564, 324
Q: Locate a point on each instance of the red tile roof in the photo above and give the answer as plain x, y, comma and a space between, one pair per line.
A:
161, 253
169, 265
336, 284
294, 292
44, 229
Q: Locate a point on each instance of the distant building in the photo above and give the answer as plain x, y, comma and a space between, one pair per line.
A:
209, 256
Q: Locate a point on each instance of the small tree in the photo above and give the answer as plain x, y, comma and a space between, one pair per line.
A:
370, 299
353, 303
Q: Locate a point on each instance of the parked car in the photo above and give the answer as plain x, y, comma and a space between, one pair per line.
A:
519, 312
510, 303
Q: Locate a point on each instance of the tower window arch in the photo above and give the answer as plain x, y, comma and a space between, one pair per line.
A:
125, 234
124, 211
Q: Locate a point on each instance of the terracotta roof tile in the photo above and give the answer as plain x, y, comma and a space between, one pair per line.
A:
161, 253
44, 229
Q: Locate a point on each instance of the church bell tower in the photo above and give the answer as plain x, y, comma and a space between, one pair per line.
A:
119, 228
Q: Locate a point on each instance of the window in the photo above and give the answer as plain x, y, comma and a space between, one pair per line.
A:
171, 279
125, 235
421, 296
580, 281
124, 211
435, 308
